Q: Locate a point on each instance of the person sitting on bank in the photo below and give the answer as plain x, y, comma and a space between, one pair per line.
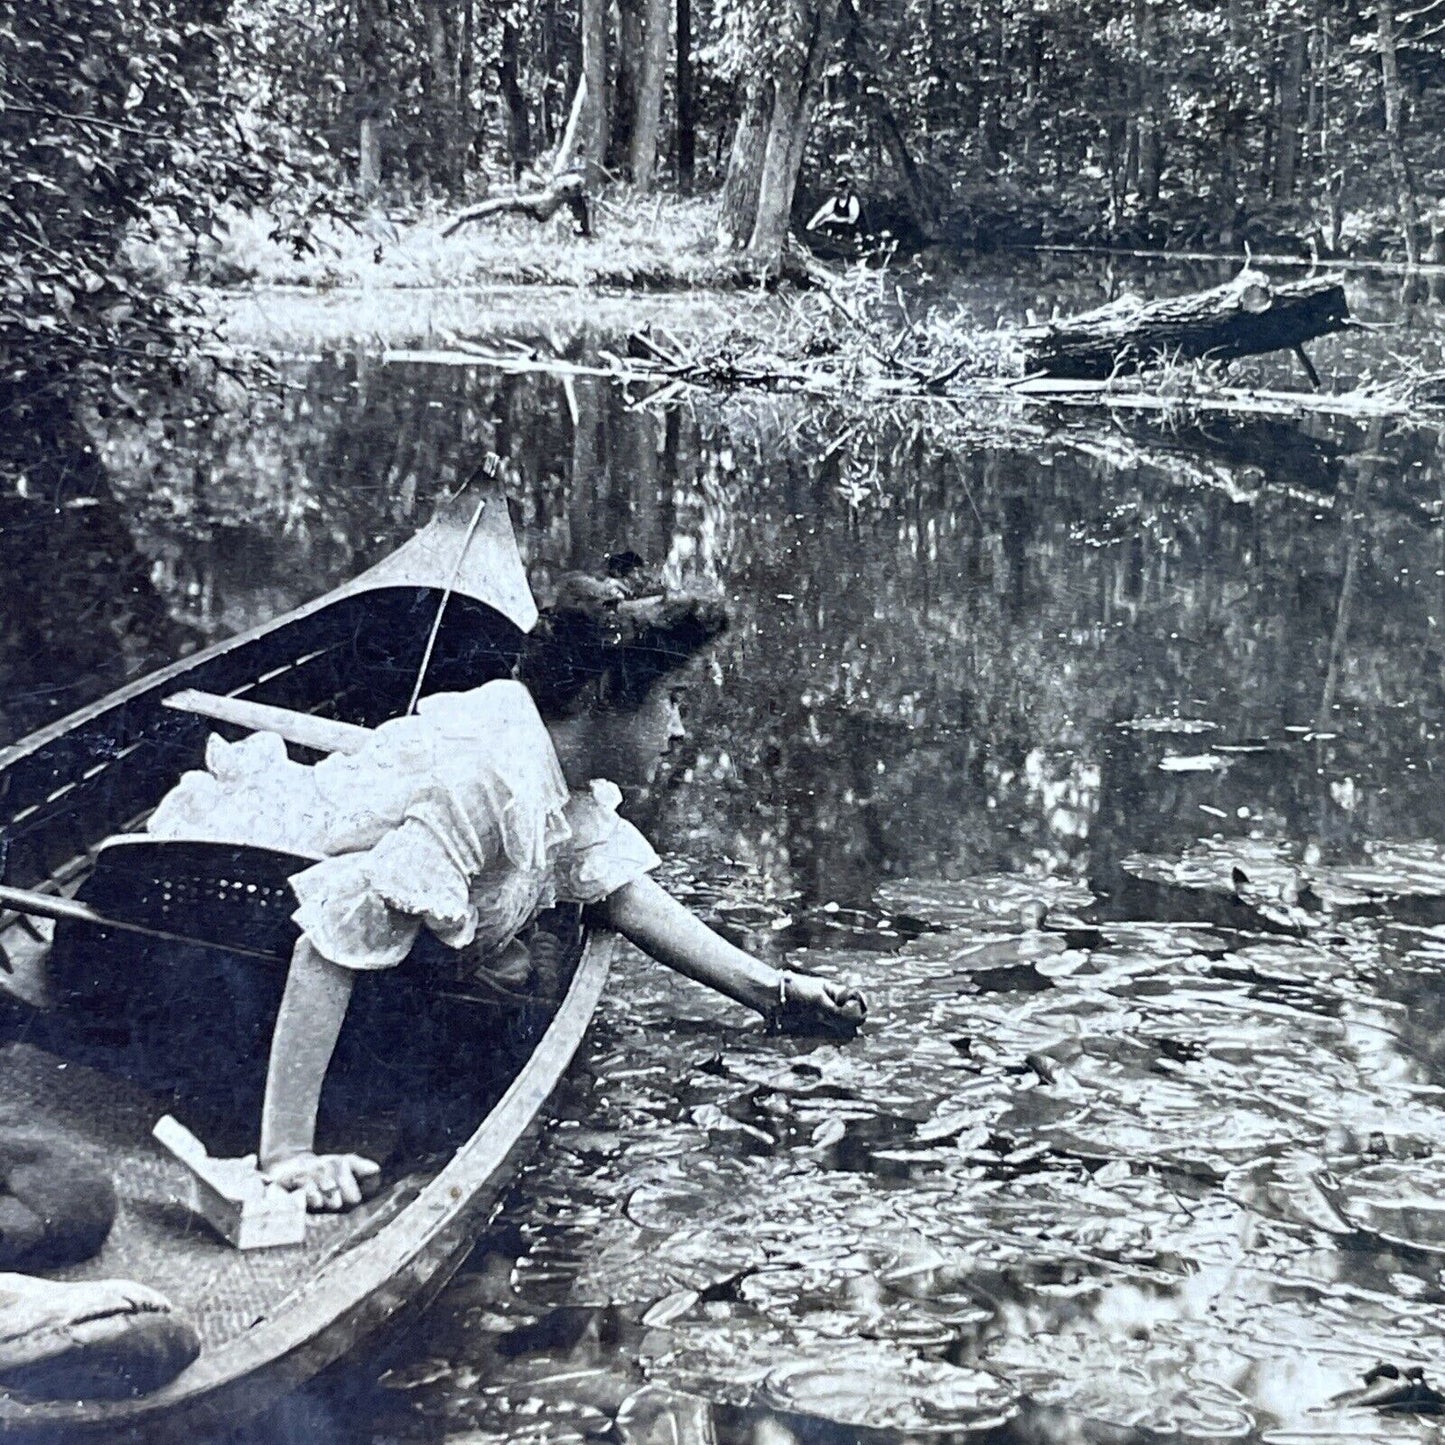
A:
469, 818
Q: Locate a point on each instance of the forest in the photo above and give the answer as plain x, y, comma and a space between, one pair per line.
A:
136, 137
1152, 654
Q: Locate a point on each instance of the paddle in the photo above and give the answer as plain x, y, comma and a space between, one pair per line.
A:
67, 910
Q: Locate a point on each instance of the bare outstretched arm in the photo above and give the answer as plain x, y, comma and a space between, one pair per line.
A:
646, 914
313, 1008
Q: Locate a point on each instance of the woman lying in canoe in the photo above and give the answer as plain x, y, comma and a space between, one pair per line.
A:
467, 819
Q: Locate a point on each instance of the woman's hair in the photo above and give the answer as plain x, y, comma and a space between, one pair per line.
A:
607, 643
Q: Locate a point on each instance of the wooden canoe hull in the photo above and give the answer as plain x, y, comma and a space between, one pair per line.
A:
353, 655
377, 1286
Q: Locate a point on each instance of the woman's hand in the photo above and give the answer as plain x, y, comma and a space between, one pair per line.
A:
332, 1182
810, 1005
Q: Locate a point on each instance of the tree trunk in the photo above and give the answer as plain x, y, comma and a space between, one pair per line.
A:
587, 460
738, 211
627, 82
1151, 159
571, 152
365, 86
1291, 81
686, 107
777, 181
519, 131
558, 57
924, 214
793, 94
656, 24
1134, 83
1231, 111
1264, 177
1244, 317
1229, 119
438, 93
368, 178
989, 72
1313, 152
466, 126
592, 122
1151, 142
1394, 137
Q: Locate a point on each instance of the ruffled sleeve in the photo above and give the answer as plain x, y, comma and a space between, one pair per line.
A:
605, 851
363, 910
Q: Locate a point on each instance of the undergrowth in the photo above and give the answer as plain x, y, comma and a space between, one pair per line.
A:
656, 244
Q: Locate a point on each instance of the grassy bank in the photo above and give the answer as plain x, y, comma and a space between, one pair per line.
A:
656, 244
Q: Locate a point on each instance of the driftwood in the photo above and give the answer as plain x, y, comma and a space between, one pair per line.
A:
568, 189
672, 371
1244, 317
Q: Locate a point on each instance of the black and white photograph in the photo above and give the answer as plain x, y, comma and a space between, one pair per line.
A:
719, 722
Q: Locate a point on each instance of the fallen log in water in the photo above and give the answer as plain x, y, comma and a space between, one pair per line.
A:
1244, 317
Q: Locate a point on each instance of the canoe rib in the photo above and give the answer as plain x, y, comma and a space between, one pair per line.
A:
355, 1295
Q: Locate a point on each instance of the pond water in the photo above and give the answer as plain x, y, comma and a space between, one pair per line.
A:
1105, 756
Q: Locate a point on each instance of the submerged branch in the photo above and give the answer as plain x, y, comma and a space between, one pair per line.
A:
846, 338
773, 374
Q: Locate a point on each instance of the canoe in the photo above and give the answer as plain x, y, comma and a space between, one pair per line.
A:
156, 993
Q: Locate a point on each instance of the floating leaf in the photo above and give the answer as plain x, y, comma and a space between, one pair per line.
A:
674, 1307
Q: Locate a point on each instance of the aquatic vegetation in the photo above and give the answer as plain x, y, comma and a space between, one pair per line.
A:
1186, 1187
1100, 1162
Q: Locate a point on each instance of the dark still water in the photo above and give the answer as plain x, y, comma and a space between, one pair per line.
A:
1170, 1164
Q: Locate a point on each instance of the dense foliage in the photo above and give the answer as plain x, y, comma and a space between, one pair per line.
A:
1203, 122
118, 139
127, 129
1154, 123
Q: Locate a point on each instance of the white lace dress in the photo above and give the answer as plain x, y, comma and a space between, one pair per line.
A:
457, 818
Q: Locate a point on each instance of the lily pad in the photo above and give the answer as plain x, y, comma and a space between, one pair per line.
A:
1184, 726
1010, 899
881, 1389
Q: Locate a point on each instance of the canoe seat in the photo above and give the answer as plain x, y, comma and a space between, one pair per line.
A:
325, 735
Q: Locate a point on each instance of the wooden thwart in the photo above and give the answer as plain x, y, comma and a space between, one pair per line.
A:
325, 735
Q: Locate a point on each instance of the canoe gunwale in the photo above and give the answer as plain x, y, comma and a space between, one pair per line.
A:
53, 779
387, 1276
348, 1300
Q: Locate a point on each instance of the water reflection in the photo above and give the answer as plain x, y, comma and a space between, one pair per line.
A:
972, 625
1083, 756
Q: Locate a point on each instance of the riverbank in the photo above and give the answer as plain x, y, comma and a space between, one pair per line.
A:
662, 243
300, 321
945, 331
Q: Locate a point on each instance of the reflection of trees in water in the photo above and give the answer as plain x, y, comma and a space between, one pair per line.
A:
936, 635
1037, 600
79, 612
